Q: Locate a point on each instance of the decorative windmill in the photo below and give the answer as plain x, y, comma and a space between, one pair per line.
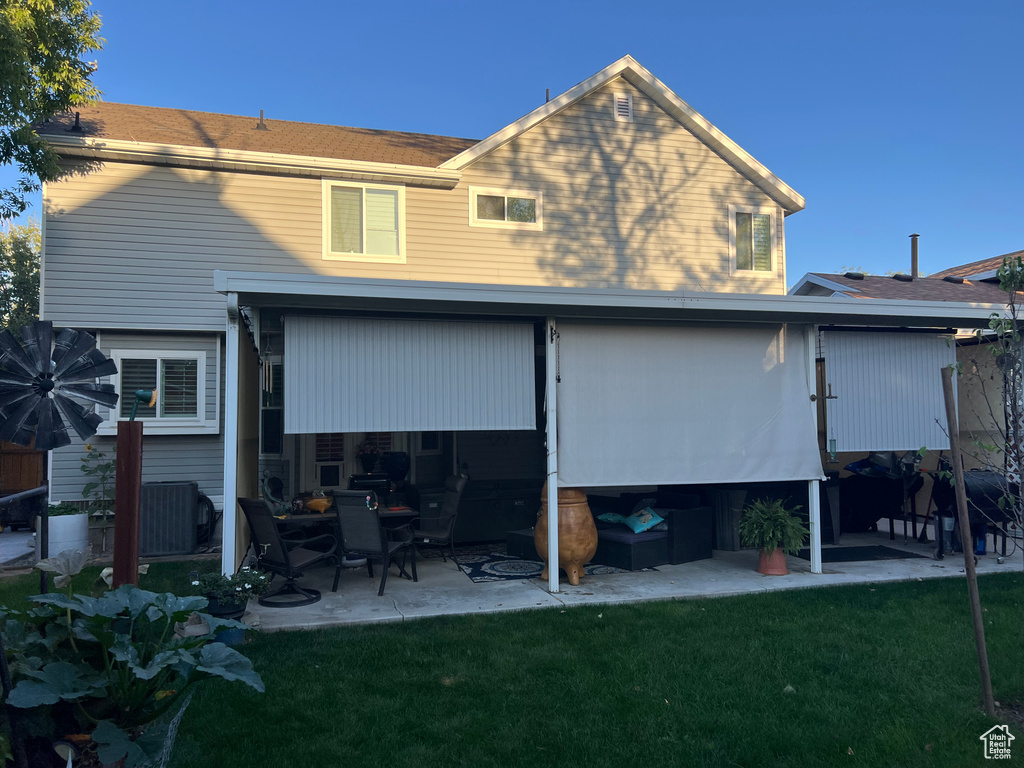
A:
42, 382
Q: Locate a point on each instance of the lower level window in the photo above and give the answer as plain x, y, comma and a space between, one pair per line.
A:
179, 379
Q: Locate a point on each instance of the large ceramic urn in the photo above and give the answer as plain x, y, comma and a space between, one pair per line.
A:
577, 534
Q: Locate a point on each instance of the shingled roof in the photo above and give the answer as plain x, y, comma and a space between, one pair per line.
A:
932, 288
982, 267
181, 127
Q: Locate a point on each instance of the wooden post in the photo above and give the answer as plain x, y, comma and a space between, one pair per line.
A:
953, 427
127, 498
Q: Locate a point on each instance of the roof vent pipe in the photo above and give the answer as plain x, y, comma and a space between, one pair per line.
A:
261, 126
77, 127
913, 256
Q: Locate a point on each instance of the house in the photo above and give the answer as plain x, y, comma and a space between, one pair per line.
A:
593, 294
908, 379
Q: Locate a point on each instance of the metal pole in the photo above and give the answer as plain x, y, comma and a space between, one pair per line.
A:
953, 428
813, 492
231, 389
551, 379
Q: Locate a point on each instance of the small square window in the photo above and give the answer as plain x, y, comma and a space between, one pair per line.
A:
504, 209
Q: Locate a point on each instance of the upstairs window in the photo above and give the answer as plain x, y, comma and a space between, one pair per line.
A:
752, 241
363, 222
504, 209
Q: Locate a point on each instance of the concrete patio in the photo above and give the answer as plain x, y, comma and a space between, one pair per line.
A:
443, 589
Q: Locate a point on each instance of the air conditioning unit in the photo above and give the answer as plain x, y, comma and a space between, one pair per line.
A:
168, 518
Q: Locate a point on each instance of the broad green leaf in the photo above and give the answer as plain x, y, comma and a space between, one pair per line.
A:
57, 680
217, 659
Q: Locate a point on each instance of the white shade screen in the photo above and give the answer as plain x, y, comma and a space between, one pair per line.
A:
887, 390
645, 405
369, 375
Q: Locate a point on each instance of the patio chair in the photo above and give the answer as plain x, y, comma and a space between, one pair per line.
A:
363, 534
438, 530
289, 558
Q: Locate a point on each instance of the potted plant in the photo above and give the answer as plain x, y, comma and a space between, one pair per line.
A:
368, 453
770, 526
68, 527
228, 595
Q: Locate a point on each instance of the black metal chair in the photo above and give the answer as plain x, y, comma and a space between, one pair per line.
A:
288, 558
363, 534
439, 530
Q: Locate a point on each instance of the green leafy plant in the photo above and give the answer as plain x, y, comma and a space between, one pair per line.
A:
64, 508
113, 666
238, 587
769, 524
99, 490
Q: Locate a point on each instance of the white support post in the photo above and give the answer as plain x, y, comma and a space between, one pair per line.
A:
814, 506
227, 559
813, 494
551, 383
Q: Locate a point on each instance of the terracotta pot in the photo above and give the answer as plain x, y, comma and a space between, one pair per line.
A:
577, 534
772, 563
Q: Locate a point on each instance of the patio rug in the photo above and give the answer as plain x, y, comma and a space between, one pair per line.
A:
857, 554
490, 563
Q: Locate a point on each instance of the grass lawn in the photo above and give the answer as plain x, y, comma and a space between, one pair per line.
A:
881, 675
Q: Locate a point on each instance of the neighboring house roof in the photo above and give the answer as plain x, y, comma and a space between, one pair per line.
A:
628, 68
186, 128
979, 270
932, 288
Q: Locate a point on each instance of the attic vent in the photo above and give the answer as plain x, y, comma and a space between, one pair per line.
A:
903, 278
623, 106
953, 279
854, 275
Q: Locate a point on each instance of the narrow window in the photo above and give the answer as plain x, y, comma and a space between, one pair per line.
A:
752, 241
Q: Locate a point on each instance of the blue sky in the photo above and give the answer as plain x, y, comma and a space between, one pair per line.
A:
888, 117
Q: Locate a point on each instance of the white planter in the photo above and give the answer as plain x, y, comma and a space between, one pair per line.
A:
66, 532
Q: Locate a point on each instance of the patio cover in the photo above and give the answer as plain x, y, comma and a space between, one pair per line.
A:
345, 374
659, 404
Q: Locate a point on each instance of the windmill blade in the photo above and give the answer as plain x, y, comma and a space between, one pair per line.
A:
50, 430
17, 418
92, 365
38, 344
83, 420
12, 357
71, 345
11, 395
15, 379
103, 394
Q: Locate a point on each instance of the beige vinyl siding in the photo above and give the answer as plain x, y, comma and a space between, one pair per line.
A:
636, 205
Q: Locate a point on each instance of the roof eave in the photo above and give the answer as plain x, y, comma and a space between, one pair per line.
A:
474, 298
790, 200
812, 279
245, 160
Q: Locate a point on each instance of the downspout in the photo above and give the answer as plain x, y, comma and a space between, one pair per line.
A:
551, 410
813, 490
227, 558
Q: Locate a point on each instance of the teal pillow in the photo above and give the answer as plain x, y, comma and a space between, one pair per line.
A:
611, 517
643, 520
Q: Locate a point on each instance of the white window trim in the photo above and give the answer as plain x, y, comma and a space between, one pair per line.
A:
772, 212
475, 192
329, 255
167, 426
